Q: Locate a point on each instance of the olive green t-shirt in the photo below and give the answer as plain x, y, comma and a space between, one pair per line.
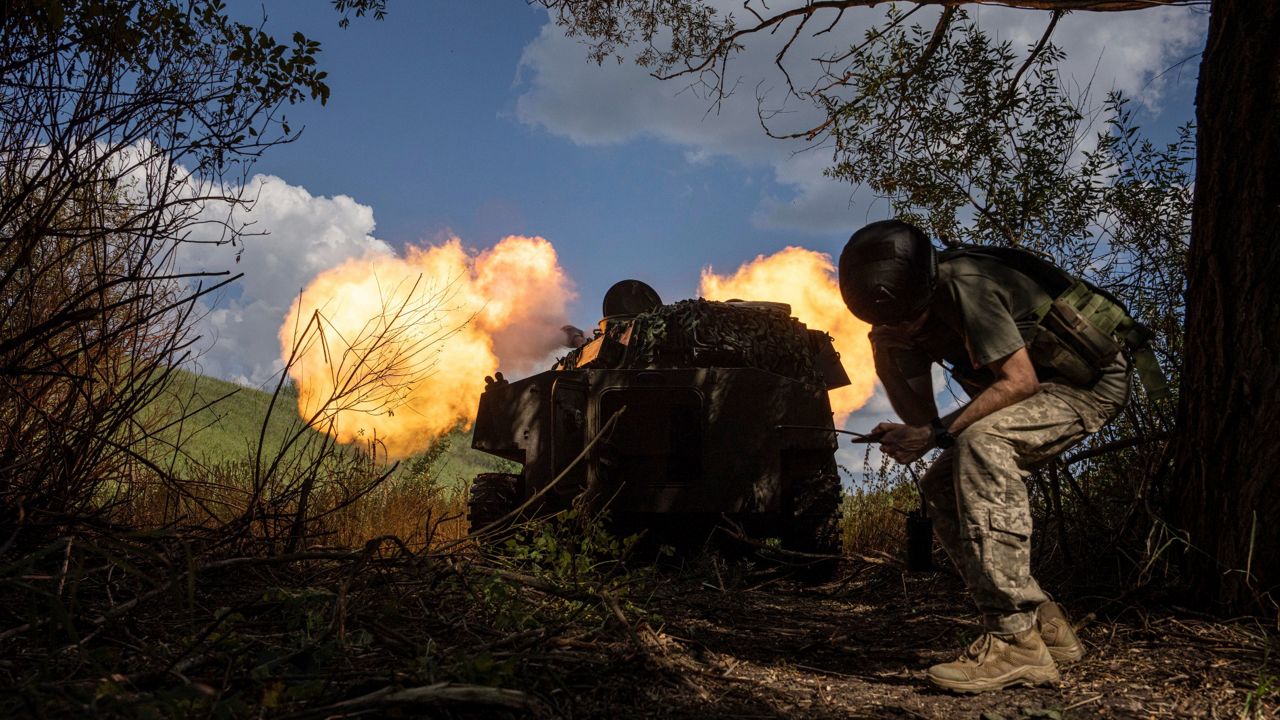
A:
979, 310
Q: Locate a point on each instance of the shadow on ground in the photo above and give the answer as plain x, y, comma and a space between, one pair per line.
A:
857, 648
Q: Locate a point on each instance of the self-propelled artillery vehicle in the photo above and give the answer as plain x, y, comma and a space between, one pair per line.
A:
676, 418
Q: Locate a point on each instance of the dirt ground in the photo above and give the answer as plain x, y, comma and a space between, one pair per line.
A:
857, 648
449, 636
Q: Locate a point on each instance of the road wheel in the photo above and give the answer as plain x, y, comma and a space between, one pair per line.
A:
814, 525
493, 497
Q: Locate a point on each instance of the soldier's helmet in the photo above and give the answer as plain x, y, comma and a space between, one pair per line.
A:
888, 271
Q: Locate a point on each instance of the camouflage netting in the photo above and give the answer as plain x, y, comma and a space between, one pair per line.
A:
705, 333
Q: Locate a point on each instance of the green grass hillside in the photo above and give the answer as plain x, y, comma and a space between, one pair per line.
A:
226, 419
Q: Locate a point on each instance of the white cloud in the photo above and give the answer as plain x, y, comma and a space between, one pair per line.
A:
290, 236
1126, 51
614, 103
810, 201
294, 236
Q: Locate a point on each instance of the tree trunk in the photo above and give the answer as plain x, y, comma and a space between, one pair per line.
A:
1226, 473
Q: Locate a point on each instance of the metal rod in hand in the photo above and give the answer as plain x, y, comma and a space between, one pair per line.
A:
860, 437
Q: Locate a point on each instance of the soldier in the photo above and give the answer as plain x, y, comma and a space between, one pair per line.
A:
970, 312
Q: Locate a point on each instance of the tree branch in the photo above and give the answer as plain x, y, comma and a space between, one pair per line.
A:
935, 40
1035, 52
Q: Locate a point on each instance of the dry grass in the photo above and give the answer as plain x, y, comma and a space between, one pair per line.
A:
354, 501
873, 522
165, 625
415, 508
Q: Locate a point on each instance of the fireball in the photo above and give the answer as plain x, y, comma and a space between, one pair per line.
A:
806, 280
395, 349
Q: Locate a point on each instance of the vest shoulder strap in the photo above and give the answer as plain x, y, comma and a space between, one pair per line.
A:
1101, 306
1044, 272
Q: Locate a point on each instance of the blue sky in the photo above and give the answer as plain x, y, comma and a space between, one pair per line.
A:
477, 118
422, 127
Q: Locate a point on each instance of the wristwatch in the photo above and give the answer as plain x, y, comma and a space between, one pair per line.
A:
941, 438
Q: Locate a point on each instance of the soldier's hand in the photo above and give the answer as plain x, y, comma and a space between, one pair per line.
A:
904, 443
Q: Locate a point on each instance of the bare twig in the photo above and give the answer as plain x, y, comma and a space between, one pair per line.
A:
438, 694
605, 431
1122, 444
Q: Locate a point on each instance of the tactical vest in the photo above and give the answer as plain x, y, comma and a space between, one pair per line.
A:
1082, 328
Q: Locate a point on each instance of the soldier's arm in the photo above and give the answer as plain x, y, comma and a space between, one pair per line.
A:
993, 341
911, 395
1016, 380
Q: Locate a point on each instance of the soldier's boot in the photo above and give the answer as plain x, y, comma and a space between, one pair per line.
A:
994, 662
1058, 634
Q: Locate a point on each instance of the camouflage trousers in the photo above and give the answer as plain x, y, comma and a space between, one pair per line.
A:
977, 496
